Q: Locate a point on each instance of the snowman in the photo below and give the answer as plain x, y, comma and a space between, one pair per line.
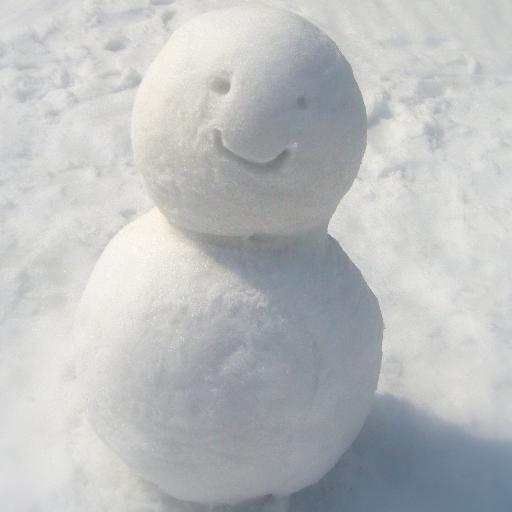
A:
227, 346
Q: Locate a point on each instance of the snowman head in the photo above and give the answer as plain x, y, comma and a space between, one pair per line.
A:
249, 121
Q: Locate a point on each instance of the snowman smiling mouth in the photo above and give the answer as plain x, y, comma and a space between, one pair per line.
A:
273, 165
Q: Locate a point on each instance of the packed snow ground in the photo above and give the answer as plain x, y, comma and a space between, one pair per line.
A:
426, 221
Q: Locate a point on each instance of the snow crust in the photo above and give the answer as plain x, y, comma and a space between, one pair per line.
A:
223, 373
249, 121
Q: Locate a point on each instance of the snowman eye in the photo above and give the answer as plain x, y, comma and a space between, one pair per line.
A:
220, 85
302, 102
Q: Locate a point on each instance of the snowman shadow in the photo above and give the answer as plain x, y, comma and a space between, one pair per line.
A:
404, 460
407, 460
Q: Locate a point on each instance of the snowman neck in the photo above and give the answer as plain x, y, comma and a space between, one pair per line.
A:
312, 239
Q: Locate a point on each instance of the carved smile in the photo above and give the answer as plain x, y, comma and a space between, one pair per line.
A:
266, 166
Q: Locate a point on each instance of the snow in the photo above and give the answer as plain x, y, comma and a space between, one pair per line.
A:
248, 121
223, 369
426, 221
236, 356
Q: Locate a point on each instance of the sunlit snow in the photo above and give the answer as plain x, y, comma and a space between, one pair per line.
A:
427, 222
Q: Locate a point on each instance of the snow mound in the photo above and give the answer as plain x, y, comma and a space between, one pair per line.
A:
249, 121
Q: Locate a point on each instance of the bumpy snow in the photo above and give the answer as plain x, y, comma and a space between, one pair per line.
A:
426, 221
249, 121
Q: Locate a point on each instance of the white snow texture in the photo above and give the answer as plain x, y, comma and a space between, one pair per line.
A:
427, 220
224, 367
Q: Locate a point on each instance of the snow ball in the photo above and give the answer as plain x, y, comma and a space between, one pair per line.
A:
249, 121
223, 374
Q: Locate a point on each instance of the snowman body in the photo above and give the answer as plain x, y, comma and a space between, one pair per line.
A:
227, 347
224, 372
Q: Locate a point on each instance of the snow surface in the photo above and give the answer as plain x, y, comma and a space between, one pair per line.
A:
426, 221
